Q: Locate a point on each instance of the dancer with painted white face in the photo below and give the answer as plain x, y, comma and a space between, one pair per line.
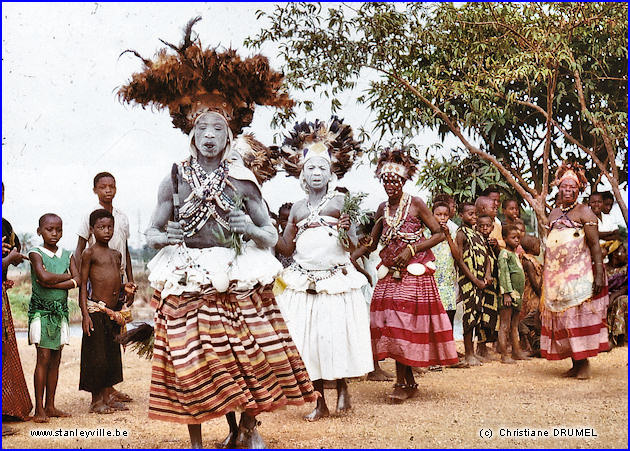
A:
221, 345
407, 320
323, 304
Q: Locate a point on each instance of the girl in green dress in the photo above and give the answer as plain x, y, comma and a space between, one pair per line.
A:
53, 273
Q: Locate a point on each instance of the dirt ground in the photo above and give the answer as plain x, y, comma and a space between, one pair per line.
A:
449, 411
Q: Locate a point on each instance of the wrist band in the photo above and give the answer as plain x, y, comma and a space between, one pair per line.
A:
413, 252
74, 282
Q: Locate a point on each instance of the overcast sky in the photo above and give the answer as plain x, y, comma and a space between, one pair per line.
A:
62, 122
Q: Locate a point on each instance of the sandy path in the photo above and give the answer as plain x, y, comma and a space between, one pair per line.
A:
449, 411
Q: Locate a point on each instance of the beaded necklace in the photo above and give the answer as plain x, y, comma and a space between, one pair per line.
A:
207, 193
395, 222
313, 215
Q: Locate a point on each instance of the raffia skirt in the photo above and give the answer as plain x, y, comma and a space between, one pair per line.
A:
222, 352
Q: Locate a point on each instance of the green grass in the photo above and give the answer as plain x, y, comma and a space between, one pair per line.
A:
20, 297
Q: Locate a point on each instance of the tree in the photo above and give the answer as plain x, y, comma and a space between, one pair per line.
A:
534, 82
464, 177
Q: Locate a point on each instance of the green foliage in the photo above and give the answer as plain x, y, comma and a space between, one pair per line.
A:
352, 207
235, 240
463, 177
495, 70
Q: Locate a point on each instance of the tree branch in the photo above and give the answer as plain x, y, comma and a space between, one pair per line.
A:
551, 88
455, 129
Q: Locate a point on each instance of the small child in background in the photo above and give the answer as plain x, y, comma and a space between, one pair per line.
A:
512, 285
101, 363
533, 284
486, 206
471, 278
489, 326
511, 211
445, 253
53, 273
533, 274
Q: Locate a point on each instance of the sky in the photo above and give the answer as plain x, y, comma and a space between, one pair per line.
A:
62, 122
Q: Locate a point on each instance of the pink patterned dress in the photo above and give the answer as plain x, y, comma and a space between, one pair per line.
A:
573, 318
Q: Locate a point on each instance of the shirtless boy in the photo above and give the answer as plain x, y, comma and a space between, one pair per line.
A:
101, 365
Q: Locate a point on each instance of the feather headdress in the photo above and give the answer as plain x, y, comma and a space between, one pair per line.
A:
193, 80
572, 170
263, 161
396, 161
332, 140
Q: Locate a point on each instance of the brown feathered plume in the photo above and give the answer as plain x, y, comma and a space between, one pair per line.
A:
576, 168
399, 156
337, 136
263, 161
193, 79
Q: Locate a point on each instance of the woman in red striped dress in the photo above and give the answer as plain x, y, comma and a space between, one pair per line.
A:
575, 294
408, 322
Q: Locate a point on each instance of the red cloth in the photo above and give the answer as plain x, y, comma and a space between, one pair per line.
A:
408, 322
578, 332
16, 400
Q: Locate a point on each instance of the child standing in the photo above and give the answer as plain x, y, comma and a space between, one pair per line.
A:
101, 364
512, 285
105, 190
471, 278
531, 294
489, 325
53, 273
445, 253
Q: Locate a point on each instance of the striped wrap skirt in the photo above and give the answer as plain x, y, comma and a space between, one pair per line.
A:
216, 353
408, 322
578, 332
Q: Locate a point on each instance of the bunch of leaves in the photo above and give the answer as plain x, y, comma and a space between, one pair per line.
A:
352, 207
463, 176
235, 240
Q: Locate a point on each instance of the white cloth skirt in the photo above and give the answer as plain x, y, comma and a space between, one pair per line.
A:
331, 332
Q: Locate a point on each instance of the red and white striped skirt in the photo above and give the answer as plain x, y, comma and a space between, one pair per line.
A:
578, 332
408, 322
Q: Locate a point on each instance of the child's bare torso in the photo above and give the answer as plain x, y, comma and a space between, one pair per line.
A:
105, 275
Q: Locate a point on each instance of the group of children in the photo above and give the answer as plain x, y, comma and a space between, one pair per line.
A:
490, 267
98, 271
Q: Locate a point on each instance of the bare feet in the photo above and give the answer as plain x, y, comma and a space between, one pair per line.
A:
584, 370
520, 355
101, 408
120, 396
505, 358
320, 411
53, 412
230, 441
403, 392
248, 436
460, 364
343, 399
379, 375
419, 370
117, 405
40, 417
472, 360
570, 373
